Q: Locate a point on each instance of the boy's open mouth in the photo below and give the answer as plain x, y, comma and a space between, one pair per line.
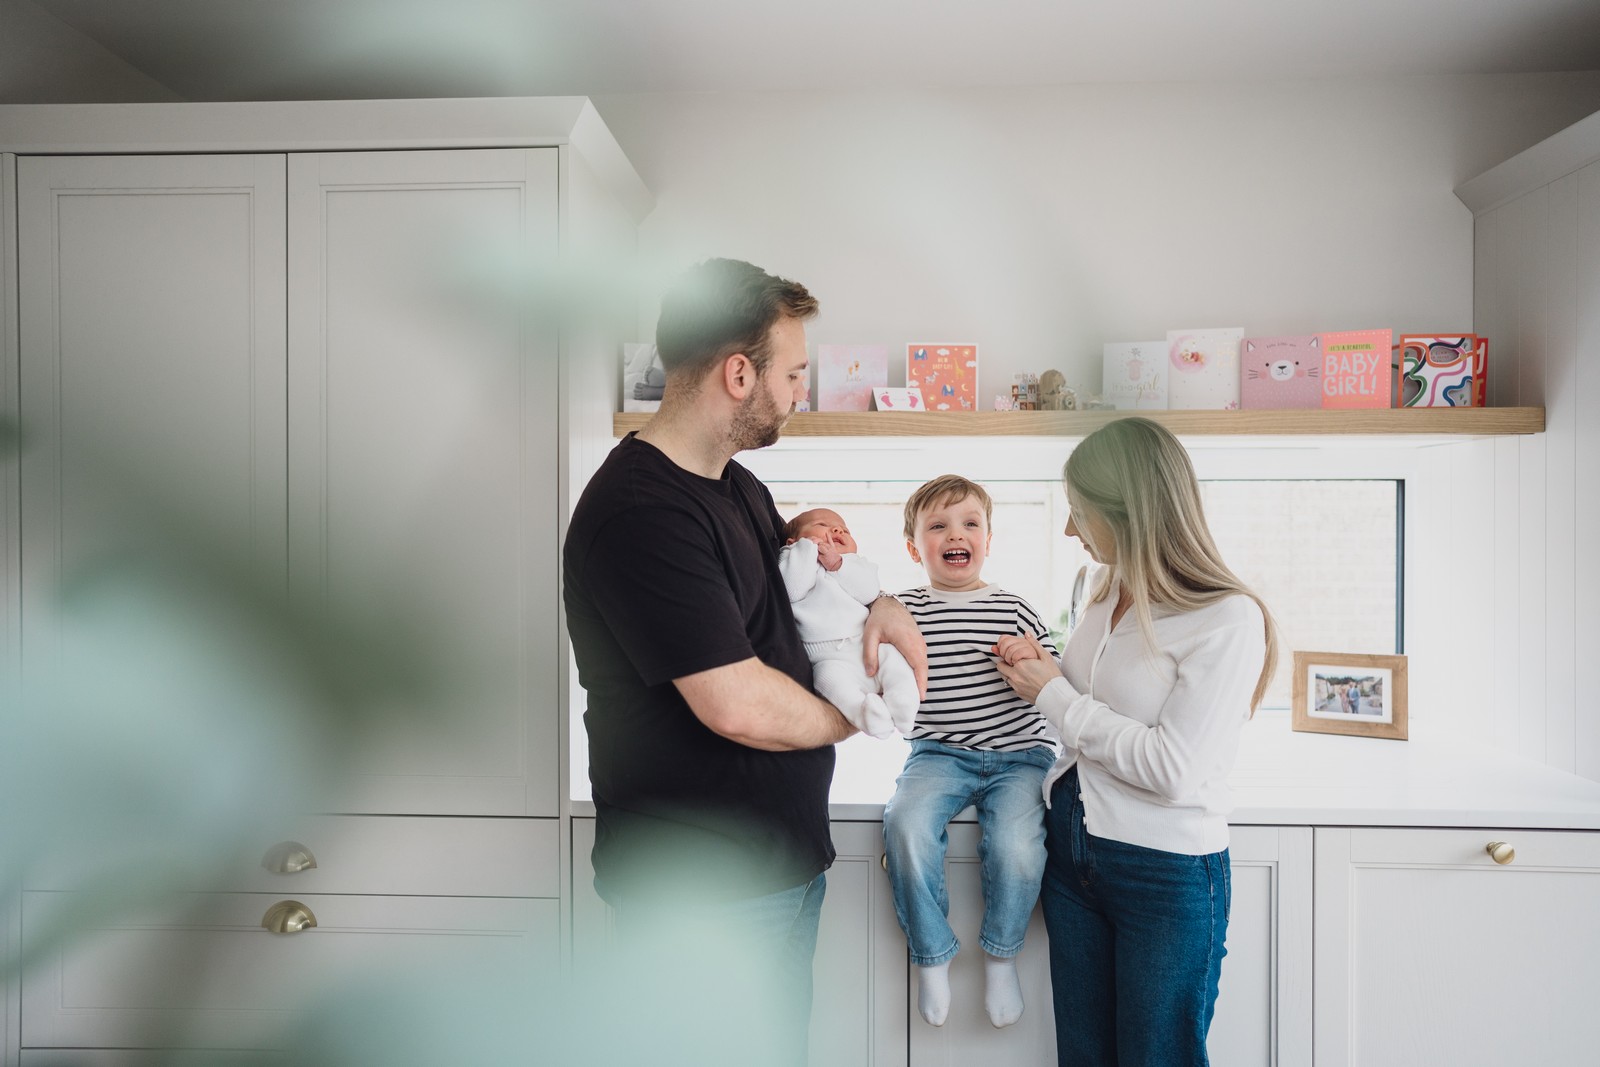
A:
958, 555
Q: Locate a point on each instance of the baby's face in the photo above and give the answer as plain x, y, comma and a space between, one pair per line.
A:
825, 528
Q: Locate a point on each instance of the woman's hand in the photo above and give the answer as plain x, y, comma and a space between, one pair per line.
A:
1025, 665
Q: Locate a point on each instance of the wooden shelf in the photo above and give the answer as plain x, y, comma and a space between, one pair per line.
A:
1463, 422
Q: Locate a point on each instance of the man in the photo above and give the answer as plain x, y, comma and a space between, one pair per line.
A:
709, 755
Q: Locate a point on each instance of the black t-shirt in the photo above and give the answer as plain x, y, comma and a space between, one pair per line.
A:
668, 574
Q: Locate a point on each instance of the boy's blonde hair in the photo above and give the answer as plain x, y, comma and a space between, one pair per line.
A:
942, 491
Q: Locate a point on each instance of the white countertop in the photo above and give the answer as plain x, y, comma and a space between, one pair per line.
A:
1283, 778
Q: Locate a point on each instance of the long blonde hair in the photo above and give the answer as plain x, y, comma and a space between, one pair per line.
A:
1135, 477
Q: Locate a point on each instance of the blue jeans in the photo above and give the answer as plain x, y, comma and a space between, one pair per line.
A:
725, 983
1136, 944
935, 784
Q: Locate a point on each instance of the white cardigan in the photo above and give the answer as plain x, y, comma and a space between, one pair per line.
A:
1154, 733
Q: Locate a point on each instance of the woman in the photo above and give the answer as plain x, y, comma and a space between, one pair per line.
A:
1149, 707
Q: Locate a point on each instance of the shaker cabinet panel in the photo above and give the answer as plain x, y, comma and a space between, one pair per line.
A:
1428, 950
201, 972
152, 327
423, 457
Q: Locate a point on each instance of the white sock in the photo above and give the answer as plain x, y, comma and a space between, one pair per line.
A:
1002, 990
933, 992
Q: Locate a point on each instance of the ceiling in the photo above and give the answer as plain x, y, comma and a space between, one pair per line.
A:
346, 49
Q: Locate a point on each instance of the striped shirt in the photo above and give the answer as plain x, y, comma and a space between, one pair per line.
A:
969, 704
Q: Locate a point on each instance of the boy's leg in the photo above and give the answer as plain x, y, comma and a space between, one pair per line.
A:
1011, 846
936, 783
1012, 856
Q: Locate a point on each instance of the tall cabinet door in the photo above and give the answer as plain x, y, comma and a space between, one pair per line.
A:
423, 459
152, 351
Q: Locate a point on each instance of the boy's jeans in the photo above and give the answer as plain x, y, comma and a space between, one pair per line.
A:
937, 782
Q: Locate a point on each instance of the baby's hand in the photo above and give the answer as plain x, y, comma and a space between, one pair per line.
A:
1016, 648
829, 556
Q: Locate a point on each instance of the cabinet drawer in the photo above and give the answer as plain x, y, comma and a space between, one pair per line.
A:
202, 973
1469, 848
385, 855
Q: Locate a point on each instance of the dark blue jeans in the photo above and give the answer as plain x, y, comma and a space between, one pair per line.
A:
1136, 944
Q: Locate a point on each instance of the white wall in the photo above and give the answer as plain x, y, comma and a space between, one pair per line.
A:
1043, 222
1538, 510
45, 61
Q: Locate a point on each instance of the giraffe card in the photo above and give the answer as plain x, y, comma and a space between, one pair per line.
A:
945, 374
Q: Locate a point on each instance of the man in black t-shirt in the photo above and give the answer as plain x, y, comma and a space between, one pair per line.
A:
709, 755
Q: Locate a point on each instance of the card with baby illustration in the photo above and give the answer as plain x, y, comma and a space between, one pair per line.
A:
847, 375
1135, 374
945, 374
1203, 369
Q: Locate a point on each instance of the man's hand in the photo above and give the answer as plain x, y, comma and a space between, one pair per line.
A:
888, 622
829, 556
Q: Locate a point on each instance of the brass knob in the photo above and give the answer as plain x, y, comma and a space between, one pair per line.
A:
288, 857
288, 917
1500, 852
883, 861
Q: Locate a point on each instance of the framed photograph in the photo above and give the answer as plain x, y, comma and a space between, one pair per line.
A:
1345, 693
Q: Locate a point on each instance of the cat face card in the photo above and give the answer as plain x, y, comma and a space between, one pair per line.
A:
1280, 372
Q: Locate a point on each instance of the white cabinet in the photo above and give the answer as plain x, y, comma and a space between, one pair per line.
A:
423, 455
1427, 951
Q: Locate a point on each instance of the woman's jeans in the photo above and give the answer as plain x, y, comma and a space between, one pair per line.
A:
1136, 944
938, 781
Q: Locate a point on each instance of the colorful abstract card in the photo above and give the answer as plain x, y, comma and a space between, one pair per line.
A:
847, 375
1203, 369
1355, 369
945, 374
1443, 370
1135, 375
1280, 372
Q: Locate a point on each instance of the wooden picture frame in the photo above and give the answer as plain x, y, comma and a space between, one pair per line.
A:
1325, 683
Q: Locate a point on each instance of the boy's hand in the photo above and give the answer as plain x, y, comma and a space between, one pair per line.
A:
1017, 647
829, 556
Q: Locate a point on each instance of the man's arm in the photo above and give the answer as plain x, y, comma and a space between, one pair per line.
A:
763, 708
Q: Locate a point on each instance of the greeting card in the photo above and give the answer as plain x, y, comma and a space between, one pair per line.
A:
896, 399
1355, 369
1203, 369
847, 374
1135, 374
1443, 370
946, 375
1280, 372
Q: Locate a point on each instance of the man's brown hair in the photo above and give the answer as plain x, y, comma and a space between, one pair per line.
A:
942, 491
720, 307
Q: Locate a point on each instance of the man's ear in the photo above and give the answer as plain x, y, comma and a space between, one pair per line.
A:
912, 548
738, 375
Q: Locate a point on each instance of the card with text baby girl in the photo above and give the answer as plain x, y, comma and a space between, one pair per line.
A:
1203, 369
945, 374
1356, 369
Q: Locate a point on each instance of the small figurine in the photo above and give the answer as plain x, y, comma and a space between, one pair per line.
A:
1004, 403
1026, 392
1054, 395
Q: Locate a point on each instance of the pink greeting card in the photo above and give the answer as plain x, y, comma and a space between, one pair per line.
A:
1203, 369
1280, 372
1134, 374
847, 374
945, 375
1355, 369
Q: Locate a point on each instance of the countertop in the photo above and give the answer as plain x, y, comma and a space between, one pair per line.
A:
1284, 778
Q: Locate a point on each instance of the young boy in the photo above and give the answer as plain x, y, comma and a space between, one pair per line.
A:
830, 588
975, 742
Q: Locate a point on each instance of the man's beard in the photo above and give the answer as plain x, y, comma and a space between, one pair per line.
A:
758, 421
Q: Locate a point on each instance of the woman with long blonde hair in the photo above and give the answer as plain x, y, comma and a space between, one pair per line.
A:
1170, 657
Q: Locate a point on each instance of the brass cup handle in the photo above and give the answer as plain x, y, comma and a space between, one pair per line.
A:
288, 917
288, 857
1500, 852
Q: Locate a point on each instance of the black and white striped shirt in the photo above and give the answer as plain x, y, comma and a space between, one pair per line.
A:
969, 704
